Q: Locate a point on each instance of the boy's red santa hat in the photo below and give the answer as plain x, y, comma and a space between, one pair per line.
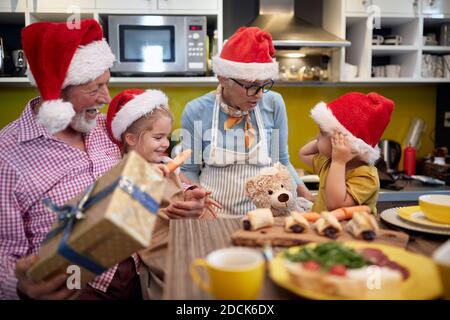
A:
60, 55
247, 55
129, 106
362, 118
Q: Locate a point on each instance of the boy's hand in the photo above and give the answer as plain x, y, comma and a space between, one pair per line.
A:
342, 151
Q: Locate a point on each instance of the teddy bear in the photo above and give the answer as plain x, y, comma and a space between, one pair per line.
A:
273, 188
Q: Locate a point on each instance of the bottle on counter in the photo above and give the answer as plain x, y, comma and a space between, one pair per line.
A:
409, 160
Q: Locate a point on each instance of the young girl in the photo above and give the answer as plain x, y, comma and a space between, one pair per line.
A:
346, 148
140, 120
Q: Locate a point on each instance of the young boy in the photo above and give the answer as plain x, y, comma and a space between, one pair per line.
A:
346, 148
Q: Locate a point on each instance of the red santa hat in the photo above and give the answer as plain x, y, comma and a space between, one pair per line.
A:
129, 106
362, 118
247, 55
59, 56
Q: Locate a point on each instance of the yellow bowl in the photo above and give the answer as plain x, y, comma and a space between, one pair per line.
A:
436, 207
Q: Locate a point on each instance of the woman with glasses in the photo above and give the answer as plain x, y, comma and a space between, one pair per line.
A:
239, 128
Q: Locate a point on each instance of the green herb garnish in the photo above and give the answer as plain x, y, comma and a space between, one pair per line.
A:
327, 255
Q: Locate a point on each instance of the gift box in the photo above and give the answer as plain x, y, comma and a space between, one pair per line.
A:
105, 224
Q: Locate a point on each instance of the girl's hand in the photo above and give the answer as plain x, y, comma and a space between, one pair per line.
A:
162, 169
342, 151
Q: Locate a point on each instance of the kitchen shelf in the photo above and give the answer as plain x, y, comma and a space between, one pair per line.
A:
13, 80
118, 81
437, 49
392, 50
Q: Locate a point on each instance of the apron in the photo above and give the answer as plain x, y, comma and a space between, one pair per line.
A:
226, 172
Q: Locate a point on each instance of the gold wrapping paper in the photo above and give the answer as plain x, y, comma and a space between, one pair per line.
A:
113, 229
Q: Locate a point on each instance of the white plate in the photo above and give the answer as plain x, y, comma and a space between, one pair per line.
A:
391, 216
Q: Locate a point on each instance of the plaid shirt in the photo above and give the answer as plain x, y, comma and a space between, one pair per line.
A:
35, 165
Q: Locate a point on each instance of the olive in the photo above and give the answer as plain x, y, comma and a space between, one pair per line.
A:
246, 224
330, 232
368, 235
297, 228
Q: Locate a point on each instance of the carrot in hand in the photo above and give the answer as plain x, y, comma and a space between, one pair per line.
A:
178, 160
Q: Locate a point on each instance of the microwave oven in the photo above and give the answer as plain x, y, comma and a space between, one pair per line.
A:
158, 45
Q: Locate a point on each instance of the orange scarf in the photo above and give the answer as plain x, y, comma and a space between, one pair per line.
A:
236, 116
249, 131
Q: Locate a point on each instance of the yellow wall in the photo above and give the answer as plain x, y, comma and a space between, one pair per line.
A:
411, 101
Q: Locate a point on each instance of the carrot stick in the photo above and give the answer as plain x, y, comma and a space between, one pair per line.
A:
347, 213
178, 160
311, 216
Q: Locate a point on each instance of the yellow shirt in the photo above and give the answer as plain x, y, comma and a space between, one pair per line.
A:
362, 184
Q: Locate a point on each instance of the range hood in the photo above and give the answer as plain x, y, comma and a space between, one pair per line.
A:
278, 18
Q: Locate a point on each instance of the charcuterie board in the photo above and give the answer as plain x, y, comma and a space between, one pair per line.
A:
277, 236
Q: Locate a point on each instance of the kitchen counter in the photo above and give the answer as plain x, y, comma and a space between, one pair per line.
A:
411, 191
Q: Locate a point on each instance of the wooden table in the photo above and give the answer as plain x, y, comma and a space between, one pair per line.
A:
191, 239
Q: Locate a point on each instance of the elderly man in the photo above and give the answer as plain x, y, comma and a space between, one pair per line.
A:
57, 147
241, 127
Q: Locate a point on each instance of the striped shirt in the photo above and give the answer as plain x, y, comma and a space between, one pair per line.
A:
36, 165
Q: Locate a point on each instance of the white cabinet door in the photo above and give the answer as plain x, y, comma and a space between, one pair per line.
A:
127, 4
356, 6
187, 5
404, 7
436, 7
13, 6
42, 5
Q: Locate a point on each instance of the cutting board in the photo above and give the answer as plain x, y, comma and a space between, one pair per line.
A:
276, 236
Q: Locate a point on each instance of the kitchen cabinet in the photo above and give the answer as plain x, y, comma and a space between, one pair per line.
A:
62, 5
13, 6
398, 7
403, 20
436, 7
129, 4
187, 5
357, 6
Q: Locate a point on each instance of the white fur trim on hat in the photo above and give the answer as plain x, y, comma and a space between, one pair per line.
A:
55, 115
325, 118
136, 108
89, 62
245, 71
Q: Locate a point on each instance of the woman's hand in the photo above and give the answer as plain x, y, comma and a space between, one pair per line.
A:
342, 151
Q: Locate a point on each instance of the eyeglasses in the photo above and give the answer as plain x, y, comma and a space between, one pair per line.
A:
253, 89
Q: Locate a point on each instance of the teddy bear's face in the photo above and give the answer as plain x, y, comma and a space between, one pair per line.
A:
271, 189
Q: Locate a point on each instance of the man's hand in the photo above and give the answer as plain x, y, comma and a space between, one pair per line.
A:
53, 289
342, 151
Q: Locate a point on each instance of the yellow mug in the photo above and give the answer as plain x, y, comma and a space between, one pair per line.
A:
442, 258
234, 273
